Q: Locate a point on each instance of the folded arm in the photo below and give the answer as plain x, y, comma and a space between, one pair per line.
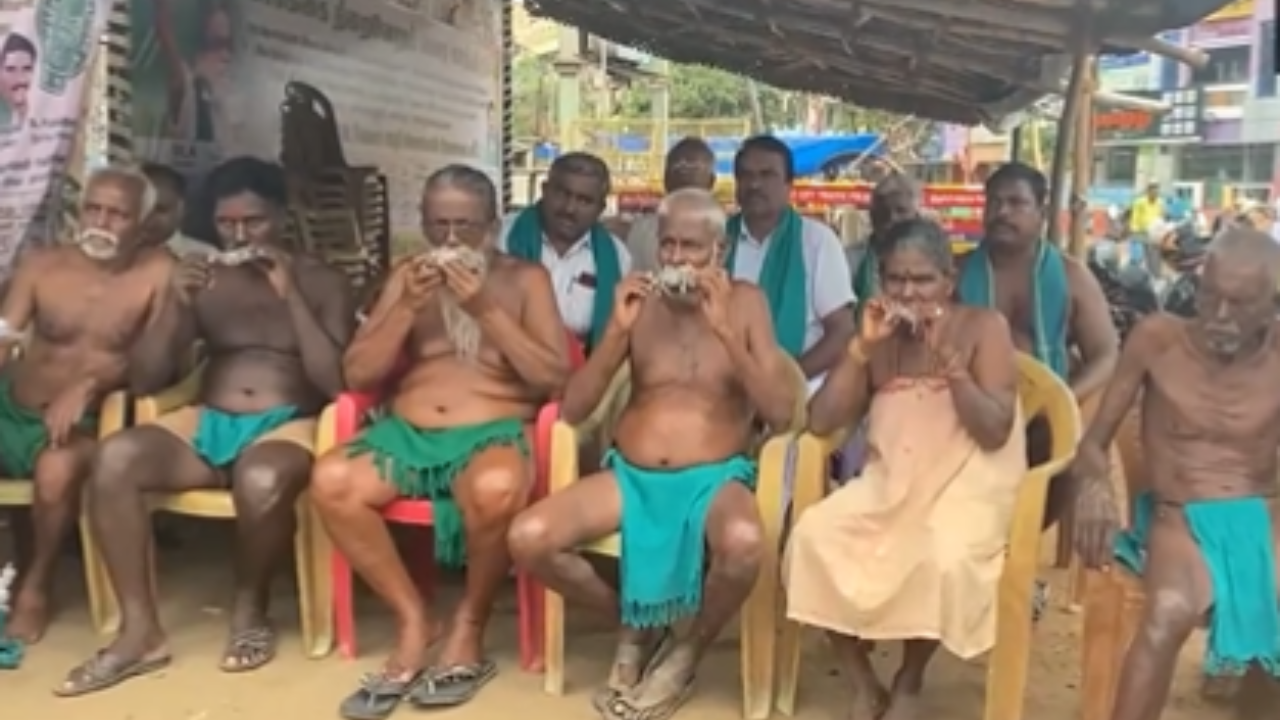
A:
845, 395
1091, 331
986, 397
378, 344
535, 344
323, 332
759, 361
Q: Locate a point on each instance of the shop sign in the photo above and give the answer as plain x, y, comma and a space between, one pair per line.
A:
1220, 30
1237, 9
1183, 121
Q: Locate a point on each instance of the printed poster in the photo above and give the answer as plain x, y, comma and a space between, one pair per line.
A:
415, 84
45, 52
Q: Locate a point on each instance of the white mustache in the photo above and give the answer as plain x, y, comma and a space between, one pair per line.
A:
98, 244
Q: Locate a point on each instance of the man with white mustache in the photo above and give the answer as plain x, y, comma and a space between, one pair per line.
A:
273, 323
88, 308
482, 345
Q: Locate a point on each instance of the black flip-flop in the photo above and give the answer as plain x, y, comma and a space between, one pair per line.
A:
379, 694
104, 671
452, 686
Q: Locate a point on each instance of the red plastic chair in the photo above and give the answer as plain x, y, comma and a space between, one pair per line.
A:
350, 409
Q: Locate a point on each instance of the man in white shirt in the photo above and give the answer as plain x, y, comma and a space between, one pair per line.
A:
563, 232
764, 234
690, 163
162, 224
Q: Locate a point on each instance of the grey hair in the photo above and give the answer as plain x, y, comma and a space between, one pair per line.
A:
702, 203
924, 236
130, 176
469, 180
895, 183
1247, 245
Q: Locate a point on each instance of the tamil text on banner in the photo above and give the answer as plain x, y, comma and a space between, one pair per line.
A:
415, 84
45, 52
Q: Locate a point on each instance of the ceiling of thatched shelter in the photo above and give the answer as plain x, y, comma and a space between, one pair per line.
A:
964, 61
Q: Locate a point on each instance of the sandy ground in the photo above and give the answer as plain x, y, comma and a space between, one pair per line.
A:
194, 587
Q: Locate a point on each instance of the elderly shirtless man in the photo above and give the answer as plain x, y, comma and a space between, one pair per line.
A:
1205, 535
704, 368
273, 326
485, 348
90, 307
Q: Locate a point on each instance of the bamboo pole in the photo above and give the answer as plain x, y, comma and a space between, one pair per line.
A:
1066, 134
1082, 164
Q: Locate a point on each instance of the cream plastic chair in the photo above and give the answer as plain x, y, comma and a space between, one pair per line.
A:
759, 614
1040, 392
311, 543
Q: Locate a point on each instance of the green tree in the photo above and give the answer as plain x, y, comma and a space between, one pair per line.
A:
533, 87
703, 93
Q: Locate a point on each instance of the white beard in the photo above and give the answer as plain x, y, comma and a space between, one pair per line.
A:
460, 327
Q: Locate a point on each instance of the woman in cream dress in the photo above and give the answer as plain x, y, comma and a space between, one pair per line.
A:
913, 549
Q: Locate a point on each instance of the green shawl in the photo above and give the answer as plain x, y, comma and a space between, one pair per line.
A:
783, 277
525, 242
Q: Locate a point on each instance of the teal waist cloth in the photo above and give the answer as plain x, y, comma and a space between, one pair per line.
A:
783, 277
1236, 543
1051, 299
664, 517
423, 463
221, 436
11, 651
524, 240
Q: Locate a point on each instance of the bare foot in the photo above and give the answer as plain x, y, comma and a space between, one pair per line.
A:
463, 645
636, 649
30, 616
903, 705
410, 655
662, 691
1220, 689
869, 703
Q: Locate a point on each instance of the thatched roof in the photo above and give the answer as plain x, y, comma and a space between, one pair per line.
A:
965, 61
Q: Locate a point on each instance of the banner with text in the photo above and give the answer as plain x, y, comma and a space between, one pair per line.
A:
415, 84
45, 51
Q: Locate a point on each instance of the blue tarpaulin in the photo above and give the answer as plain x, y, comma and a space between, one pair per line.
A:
812, 153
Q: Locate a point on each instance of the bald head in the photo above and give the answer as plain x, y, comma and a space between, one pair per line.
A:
894, 199
1235, 304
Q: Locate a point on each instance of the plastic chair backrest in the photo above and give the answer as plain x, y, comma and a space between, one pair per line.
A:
1042, 393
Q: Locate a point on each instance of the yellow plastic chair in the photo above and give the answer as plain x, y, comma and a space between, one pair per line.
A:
311, 543
1040, 392
759, 614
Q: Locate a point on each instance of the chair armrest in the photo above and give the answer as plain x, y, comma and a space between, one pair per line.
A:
349, 412
809, 472
563, 470
771, 475
111, 416
150, 407
542, 433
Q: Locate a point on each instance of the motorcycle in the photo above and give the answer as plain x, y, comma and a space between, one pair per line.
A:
1185, 255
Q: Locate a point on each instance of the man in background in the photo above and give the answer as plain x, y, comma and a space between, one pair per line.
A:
690, 163
162, 225
1147, 211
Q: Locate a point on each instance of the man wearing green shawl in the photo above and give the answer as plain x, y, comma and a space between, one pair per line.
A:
1205, 529
484, 348
798, 262
1054, 305
562, 231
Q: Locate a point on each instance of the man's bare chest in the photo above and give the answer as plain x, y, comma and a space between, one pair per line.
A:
101, 311
1188, 400
242, 309
667, 348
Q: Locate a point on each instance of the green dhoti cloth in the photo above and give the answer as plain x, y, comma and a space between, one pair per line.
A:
423, 464
1237, 544
664, 518
23, 435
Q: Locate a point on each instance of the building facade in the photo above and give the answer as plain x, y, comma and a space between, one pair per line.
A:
1219, 141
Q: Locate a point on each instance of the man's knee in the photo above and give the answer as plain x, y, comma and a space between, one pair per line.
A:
1170, 618
333, 479
117, 460
531, 537
58, 474
495, 490
740, 546
261, 485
